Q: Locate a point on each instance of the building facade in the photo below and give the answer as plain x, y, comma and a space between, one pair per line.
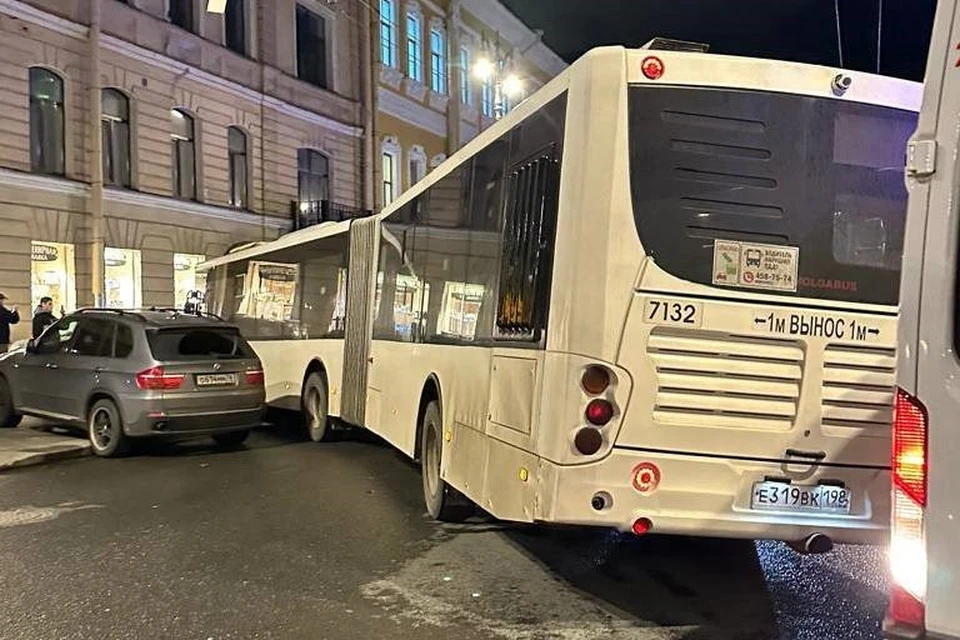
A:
138, 137
429, 100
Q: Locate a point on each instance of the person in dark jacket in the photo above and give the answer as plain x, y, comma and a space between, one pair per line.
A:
43, 316
7, 317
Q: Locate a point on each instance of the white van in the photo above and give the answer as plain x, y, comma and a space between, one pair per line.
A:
925, 537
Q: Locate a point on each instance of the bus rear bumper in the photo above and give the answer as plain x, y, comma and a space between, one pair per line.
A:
704, 496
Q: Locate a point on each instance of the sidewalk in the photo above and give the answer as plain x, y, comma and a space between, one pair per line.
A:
34, 443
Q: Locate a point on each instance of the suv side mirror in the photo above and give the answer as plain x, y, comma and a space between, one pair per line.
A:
31, 346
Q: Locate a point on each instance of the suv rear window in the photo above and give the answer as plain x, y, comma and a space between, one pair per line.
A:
820, 175
198, 343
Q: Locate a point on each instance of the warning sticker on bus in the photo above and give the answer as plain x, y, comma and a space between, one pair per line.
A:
755, 266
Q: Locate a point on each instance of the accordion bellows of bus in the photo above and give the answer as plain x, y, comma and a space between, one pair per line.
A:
659, 295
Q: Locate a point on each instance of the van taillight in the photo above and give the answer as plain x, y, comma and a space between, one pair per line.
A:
156, 379
254, 377
908, 553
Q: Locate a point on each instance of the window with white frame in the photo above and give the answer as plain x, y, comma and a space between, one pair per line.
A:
466, 85
438, 59
414, 47
417, 164
486, 98
389, 177
388, 33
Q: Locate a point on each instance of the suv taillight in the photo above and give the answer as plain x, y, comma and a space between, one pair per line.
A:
156, 379
254, 377
908, 553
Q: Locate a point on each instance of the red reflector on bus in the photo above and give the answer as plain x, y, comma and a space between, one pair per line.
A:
642, 526
652, 67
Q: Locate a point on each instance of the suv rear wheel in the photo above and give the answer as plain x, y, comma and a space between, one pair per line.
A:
8, 414
105, 430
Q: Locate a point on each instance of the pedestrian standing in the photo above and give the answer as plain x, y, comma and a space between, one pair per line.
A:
7, 317
43, 316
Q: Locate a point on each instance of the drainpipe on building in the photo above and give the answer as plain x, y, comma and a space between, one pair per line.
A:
261, 15
368, 104
453, 79
95, 162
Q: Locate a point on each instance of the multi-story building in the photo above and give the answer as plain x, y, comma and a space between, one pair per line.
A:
139, 136
430, 99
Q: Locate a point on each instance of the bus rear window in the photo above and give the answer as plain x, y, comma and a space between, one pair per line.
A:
197, 343
820, 175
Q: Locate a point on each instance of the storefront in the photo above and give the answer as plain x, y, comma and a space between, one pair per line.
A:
188, 285
122, 278
53, 274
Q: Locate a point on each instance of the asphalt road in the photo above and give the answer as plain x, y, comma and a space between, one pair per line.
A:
290, 539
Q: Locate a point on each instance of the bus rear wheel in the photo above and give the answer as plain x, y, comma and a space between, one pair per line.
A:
444, 503
313, 407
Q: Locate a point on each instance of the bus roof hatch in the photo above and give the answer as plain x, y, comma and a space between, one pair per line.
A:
669, 44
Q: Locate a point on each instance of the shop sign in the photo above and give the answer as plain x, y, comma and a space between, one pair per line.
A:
44, 253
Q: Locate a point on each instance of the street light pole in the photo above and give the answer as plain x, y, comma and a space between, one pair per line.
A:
494, 68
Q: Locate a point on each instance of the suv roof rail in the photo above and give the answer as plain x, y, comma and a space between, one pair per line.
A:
119, 312
181, 312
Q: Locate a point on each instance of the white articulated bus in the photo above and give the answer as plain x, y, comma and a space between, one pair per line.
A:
925, 536
659, 295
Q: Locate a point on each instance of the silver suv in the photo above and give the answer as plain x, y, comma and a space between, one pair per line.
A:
130, 374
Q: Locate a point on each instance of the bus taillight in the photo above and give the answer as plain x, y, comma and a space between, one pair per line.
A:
599, 412
595, 380
908, 554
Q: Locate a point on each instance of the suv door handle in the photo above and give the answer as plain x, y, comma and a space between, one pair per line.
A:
52, 365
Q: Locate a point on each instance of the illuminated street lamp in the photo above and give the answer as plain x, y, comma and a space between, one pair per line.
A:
494, 67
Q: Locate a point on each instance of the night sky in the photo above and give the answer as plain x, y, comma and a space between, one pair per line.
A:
799, 30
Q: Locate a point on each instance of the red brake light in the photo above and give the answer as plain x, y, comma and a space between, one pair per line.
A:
599, 412
910, 447
254, 377
905, 609
156, 379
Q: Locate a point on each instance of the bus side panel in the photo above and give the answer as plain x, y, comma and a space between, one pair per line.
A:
285, 363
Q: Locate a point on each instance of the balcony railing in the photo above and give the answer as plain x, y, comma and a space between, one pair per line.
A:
308, 213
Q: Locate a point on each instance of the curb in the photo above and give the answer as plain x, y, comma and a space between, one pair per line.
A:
47, 456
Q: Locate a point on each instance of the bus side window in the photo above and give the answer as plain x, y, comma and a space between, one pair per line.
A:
528, 231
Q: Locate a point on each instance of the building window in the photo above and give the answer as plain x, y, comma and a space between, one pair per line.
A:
237, 155
313, 176
438, 60
389, 177
311, 47
188, 284
414, 48
466, 86
486, 98
417, 161
184, 155
388, 32
115, 131
181, 14
53, 275
235, 26
121, 274
46, 122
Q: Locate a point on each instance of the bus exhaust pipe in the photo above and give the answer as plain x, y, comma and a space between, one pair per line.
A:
813, 544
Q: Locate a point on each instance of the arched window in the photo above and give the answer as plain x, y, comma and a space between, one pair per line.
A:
115, 131
237, 155
46, 122
313, 176
184, 155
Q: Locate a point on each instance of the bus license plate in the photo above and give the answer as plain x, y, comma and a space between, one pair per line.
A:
779, 496
216, 379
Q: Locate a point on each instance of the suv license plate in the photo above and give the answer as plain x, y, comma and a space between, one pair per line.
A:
216, 379
780, 496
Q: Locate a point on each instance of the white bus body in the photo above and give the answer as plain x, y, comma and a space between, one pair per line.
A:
718, 237
925, 536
